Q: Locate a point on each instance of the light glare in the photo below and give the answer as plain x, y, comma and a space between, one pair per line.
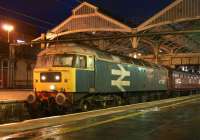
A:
43, 77
20, 41
52, 87
57, 77
8, 27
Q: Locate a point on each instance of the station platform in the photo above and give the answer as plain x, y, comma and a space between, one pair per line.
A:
12, 105
14, 94
174, 119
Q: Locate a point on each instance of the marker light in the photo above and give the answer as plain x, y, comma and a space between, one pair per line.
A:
52, 87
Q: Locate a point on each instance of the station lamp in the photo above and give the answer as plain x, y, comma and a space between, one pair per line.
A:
9, 28
20, 41
139, 54
135, 56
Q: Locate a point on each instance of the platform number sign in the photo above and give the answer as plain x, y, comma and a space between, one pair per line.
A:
120, 83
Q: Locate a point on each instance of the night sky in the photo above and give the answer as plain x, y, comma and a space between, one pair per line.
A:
52, 12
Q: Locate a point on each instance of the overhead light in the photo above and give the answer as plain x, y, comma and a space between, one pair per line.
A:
20, 41
8, 27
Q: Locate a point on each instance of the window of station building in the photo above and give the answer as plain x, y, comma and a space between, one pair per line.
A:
90, 62
137, 62
147, 64
5, 63
125, 60
104, 55
176, 75
80, 61
155, 66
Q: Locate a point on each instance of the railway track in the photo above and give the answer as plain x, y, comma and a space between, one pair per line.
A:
46, 127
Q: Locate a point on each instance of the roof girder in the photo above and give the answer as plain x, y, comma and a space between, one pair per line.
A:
178, 11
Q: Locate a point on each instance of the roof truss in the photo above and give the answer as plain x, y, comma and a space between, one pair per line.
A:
179, 10
87, 18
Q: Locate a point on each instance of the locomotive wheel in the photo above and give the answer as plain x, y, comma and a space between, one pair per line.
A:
85, 106
158, 96
104, 104
33, 110
52, 107
118, 101
60, 110
144, 98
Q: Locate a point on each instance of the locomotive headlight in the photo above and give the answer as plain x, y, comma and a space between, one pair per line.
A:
52, 87
57, 77
43, 77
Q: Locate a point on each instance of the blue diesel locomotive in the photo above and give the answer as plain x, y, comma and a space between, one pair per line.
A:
71, 75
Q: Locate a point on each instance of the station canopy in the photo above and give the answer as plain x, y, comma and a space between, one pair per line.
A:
89, 21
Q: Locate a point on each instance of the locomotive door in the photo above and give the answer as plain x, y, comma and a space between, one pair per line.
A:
85, 73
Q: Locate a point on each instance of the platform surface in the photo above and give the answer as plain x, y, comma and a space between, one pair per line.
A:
177, 121
14, 94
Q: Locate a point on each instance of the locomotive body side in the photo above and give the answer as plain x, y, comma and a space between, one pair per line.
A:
130, 78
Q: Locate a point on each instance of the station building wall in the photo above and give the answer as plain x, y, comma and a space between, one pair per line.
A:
16, 67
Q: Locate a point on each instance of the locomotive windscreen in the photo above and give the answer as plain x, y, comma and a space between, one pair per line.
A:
58, 60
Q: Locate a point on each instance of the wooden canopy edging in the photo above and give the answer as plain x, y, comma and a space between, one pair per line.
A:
175, 59
178, 11
87, 18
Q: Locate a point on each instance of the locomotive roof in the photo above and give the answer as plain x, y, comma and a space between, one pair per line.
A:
67, 48
74, 48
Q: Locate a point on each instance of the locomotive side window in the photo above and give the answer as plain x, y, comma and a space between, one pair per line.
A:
90, 62
80, 61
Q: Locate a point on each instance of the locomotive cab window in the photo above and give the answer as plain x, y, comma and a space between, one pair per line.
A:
59, 60
80, 61
90, 62
63, 60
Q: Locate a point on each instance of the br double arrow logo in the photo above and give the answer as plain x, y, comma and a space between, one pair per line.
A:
120, 83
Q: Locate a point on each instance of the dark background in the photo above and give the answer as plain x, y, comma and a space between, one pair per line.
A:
45, 14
